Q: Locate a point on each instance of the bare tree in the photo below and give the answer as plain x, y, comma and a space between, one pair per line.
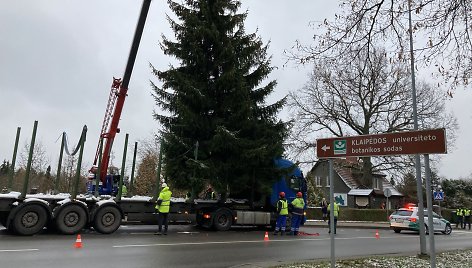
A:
441, 27
357, 97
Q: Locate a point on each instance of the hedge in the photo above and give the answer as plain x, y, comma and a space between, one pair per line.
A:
353, 214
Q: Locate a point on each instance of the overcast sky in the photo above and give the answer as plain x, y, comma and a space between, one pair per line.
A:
58, 58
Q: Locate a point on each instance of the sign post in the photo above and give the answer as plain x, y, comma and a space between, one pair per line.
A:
416, 142
387, 193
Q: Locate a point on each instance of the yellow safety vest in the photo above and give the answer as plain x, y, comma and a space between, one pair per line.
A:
165, 196
284, 208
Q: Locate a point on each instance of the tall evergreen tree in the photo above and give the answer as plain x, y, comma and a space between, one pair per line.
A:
214, 97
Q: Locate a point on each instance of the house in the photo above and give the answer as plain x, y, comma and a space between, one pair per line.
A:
348, 189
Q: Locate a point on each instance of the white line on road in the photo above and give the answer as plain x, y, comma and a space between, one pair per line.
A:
246, 241
19, 250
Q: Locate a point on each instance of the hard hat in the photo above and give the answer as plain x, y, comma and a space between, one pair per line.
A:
164, 185
299, 194
282, 194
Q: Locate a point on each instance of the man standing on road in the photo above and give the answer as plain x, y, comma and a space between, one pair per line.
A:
460, 218
282, 212
162, 207
324, 209
297, 212
466, 213
336, 214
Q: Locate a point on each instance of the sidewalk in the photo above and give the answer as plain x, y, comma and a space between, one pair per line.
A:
350, 224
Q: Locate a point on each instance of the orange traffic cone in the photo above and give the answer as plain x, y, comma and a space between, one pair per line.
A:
266, 236
377, 236
78, 242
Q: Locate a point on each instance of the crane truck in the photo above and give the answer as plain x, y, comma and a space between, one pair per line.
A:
29, 214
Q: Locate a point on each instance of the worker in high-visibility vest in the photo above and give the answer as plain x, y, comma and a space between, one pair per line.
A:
163, 207
124, 191
466, 212
335, 214
298, 206
282, 212
460, 218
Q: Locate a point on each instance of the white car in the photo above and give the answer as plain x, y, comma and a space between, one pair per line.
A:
407, 219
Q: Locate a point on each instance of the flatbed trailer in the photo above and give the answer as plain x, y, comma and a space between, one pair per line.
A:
104, 214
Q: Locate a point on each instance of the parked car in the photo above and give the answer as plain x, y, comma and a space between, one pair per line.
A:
407, 219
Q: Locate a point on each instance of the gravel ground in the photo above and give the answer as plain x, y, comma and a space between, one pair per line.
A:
456, 259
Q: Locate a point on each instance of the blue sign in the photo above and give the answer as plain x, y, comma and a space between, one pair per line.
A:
438, 196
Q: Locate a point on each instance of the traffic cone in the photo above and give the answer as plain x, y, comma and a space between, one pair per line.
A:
377, 236
266, 236
78, 242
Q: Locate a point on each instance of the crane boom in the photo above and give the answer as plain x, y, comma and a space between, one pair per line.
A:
118, 93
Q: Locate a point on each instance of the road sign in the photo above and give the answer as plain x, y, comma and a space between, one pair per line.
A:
438, 196
398, 143
387, 192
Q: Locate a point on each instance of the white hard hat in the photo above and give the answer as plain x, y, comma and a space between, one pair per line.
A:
164, 185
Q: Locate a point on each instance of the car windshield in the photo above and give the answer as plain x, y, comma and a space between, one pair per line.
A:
402, 213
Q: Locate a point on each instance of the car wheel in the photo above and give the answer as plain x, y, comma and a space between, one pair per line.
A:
397, 230
447, 230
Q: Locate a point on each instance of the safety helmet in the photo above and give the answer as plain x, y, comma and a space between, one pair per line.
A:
282, 194
299, 194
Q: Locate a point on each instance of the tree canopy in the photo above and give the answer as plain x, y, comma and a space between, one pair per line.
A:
441, 33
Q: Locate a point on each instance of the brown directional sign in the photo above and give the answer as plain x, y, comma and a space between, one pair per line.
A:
431, 141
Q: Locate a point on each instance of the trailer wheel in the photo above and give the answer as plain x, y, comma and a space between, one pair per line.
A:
222, 220
107, 220
29, 220
71, 219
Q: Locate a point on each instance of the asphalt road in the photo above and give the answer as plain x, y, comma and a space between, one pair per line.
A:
187, 246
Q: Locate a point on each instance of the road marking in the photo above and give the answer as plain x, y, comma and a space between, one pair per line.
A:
249, 241
19, 250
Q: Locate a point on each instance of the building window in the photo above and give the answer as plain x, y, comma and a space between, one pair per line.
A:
375, 183
317, 181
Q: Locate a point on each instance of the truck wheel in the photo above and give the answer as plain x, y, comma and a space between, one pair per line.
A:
107, 220
29, 220
71, 219
222, 220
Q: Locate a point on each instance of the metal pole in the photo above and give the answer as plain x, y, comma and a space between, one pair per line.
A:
158, 177
386, 207
331, 214
79, 163
12, 167
419, 184
429, 201
123, 164
98, 173
59, 165
30, 160
130, 191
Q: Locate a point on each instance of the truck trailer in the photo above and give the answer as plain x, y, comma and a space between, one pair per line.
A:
67, 214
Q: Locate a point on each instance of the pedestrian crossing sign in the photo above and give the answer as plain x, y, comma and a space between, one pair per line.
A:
438, 196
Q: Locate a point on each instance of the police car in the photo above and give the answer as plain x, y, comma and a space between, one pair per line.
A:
407, 219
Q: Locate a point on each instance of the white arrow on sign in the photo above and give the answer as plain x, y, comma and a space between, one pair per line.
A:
325, 148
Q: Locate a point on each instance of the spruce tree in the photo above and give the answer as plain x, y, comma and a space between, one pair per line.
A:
216, 126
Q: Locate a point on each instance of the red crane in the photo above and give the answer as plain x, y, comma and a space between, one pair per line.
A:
118, 93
